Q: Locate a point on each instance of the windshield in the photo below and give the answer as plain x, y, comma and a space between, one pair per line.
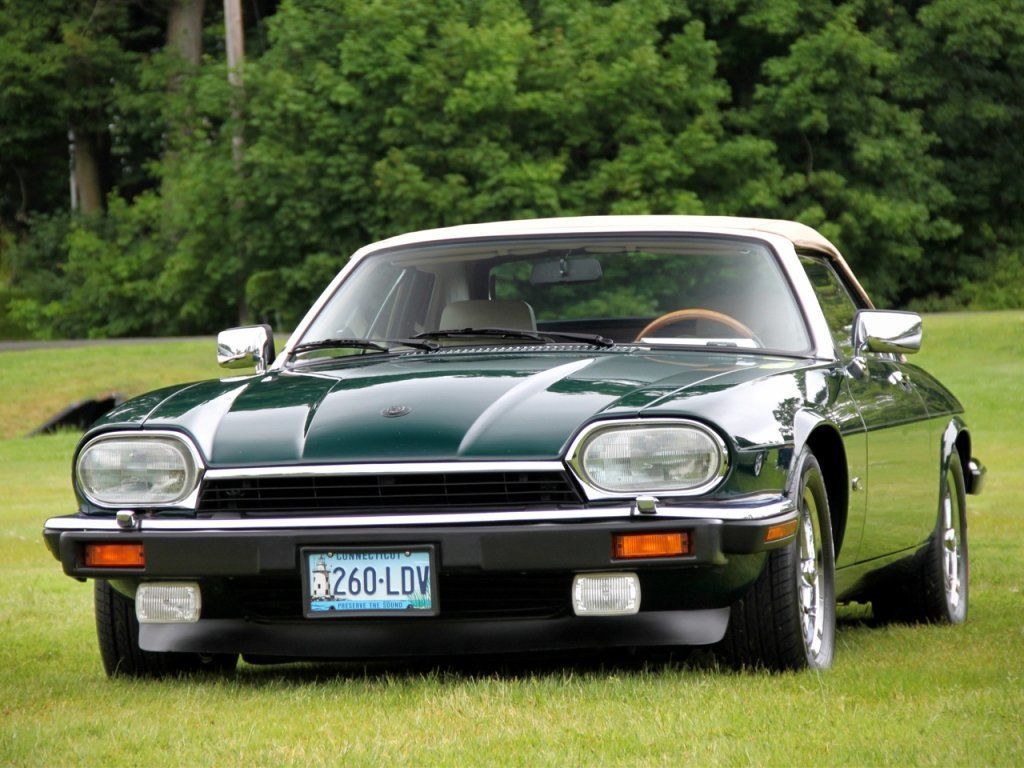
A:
680, 291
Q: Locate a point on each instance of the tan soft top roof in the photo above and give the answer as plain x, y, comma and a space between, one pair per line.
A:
799, 234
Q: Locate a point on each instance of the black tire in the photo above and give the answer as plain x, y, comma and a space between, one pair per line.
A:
932, 586
787, 620
118, 631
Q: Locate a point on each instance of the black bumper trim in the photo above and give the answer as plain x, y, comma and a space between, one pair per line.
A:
395, 638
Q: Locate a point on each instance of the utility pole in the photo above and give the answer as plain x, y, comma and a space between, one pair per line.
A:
235, 43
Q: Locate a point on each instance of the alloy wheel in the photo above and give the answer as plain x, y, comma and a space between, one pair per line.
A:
809, 576
952, 549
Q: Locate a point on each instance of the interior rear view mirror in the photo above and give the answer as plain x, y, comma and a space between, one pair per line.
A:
566, 270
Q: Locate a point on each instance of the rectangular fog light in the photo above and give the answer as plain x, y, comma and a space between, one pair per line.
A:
169, 602
605, 594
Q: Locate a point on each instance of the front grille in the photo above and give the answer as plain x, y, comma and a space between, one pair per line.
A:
460, 595
387, 493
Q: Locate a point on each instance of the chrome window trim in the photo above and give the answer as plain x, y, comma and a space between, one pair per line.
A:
187, 501
830, 265
314, 310
404, 468
595, 493
774, 507
822, 346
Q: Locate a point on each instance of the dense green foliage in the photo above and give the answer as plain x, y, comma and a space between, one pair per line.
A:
893, 127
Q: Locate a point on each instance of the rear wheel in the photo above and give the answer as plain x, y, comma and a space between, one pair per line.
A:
117, 629
933, 588
788, 618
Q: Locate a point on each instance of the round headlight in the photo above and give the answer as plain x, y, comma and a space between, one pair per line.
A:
638, 458
136, 471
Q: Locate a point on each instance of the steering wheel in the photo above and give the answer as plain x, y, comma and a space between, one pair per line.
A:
696, 313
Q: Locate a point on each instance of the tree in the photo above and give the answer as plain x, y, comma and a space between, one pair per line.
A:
892, 127
363, 121
963, 70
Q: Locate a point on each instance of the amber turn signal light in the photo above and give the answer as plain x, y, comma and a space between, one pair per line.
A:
114, 555
631, 545
781, 531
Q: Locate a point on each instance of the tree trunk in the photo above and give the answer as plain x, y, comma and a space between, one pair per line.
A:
87, 172
244, 315
185, 29
184, 38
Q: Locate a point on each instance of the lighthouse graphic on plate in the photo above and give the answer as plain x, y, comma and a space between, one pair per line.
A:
321, 586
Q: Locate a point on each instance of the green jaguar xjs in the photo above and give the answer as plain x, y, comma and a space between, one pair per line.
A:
579, 432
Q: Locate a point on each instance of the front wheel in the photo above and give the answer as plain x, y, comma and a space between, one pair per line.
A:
117, 629
787, 620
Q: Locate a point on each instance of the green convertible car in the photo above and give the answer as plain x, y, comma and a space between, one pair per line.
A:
561, 433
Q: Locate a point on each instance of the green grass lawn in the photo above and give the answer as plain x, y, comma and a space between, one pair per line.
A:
897, 694
37, 383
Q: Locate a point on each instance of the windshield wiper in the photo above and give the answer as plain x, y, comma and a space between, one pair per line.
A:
541, 337
506, 333
377, 346
584, 338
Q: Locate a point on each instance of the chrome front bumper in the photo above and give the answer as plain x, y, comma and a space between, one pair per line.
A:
758, 508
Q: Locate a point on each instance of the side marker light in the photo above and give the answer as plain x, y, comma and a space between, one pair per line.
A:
781, 531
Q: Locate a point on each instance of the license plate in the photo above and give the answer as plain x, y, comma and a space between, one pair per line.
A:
392, 581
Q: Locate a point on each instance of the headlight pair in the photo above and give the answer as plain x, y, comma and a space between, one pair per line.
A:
613, 458
137, 470
650, 457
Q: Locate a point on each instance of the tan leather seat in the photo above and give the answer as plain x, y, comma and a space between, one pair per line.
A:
483, 313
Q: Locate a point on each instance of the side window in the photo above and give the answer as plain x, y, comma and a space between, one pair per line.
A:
835, 300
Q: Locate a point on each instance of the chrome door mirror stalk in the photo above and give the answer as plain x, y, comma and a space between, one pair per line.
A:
857, 368
250, 345
886, 331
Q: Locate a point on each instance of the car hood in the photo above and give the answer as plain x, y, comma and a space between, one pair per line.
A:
437, 406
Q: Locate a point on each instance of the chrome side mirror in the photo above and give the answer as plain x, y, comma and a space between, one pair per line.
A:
246, 346
886, 331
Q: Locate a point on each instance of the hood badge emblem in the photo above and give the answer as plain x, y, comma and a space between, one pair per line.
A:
394, 411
